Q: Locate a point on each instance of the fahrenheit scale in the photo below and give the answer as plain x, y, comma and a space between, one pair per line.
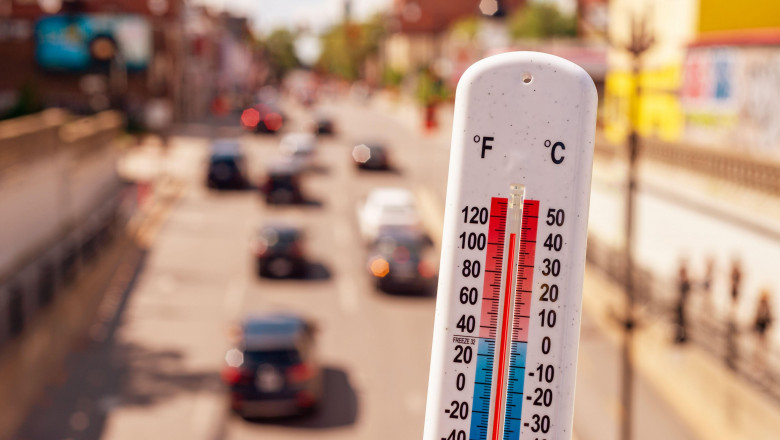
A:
507, 323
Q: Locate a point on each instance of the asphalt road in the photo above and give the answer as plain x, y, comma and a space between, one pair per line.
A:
165, 349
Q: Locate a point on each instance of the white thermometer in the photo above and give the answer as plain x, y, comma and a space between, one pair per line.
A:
507, 323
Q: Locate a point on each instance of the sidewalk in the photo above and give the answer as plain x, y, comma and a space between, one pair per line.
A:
710, 399
41, 359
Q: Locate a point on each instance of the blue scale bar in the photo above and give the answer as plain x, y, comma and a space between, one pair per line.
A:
514, 404
482, 389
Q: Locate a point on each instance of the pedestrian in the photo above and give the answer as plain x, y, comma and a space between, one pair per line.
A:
732, 353
683, 289
736, 278
706, 287
761, 324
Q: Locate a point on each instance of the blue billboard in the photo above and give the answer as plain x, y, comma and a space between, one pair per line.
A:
73, 43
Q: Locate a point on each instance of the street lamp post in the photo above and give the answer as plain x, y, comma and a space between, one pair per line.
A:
642, 39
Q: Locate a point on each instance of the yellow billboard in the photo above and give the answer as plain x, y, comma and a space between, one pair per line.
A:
727, 15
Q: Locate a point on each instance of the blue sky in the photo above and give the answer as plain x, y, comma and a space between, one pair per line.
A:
267, 15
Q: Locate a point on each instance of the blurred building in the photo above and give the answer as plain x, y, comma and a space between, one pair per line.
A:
87, 55
450, 36
90, 55
419, 28
219, 59
592, 19
711, 78
730, 89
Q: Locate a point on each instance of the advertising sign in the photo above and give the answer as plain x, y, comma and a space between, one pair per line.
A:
74, 43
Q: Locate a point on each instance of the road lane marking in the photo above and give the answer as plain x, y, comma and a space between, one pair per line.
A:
347, 291
206, 415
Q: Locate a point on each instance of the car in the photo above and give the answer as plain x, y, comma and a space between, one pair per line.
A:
226, 168
278, 250
272, 369
398, 261
263, 118
371, 156
387, 206
283, 183
300, 148
323, 123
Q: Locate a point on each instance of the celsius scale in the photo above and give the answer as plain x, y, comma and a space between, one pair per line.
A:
507, 322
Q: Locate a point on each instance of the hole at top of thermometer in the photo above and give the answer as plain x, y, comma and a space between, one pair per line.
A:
502, 355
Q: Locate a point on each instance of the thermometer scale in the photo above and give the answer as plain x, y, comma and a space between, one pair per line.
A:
507, 319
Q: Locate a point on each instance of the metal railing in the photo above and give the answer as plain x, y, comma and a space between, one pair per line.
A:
737, 167
729, 342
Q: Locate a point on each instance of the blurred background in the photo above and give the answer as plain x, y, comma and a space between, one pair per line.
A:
221, 219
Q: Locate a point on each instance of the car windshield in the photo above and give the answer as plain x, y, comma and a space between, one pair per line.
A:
397, 209
223, 159
389, 244
281, 237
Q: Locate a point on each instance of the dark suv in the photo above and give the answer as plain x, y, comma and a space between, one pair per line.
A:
283, 183
279, 251
398, 260
272, 370
226, 169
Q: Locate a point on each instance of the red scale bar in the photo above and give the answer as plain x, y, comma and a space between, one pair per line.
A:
525, 271
491, 290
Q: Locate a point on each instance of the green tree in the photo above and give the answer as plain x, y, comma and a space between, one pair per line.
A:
278, 48
466, 28
541, 20
346, 46
431, 90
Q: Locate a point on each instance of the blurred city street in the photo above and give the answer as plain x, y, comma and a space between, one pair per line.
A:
224, 220
157, 373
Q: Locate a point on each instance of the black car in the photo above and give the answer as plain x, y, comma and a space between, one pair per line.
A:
324, 123
397, 260
279, 251
272, 370
226, 169
283, 183
371, 157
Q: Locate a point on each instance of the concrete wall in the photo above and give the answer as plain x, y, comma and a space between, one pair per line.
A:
59, 193
51, 178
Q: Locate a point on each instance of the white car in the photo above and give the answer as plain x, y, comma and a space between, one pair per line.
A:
387, 207
300, 148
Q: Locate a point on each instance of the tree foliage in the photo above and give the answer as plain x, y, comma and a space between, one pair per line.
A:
541, 20
466, 28
278, 48
346, 46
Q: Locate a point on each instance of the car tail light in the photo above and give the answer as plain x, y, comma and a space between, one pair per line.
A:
425, 269
259, 247
250, 118
273, 121
300, 373
236, 375
231, 375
